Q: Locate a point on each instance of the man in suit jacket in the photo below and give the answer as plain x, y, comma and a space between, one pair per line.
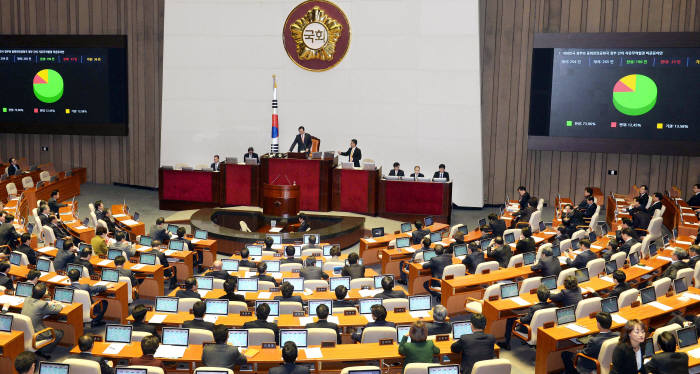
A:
523, 215
416, 172
198, 322
388, 290
287, 291
582, 258
548, 264
155, 244
439, 325
303, 140
588, 191
230, 289
217, 272
476, 346
26, 249
441, 173
43, 213
290, 259
589, 210
677, 264
499, 252
524, 197
289, 355
669, 361
655, 203
5, 279
354, 154
643, 195
220, 354
262, 311
570, 295
122, 244
139, 314
190, 290
251, 155
627, 235
303, 224
322, 314
396, 170
149, 346
101, 307
379, 316
65, 256
496, 226
436, 265
8, 234
419, 233
695, 199
474, 258
84, 259
620, 283
216, 165
14, 167
311, 271
36, 309
262, 268
119, 262
54, 205
353, 269
340, 293
640, 217
158, 231
592, 347
542, 295
85, 343
58, 231
99, 209
26, 362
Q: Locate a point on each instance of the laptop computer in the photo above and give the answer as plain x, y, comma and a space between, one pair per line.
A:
228, 264
272, 266
575, 244
550, 282
648, 295
444, 369
543, 227
634, 258
609, 305
529, 258
582, 275
53, 368
509, 238
556, 251
463, 229
401, 331
378, 280
147, 258
145, 241
254, 250
24, 289
339, 281
460, 250
118, 334
277, 239
248, 284
299, 337
428, 221
419, 302
110, 275
484, 244
406, 227
592, 236
43, 265
273, 304
176, 245
652, 249
679, 285
364, 371
176, 336
166, 304
204, 283
648, 347
435, 236
5, 322
377, 232
566, 315
687, 336
114, 253
366, 305
610, 267
313, 304
238, 338
64, 295
509, 290
297, 283
201, 234
403, 242
427, 255
216, 307
461, 328
15, 258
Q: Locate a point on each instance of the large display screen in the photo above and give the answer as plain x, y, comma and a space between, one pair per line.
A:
66, 84
587, 88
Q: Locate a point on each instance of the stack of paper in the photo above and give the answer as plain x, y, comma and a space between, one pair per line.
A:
334, 319
118, 215
369, 293
169, 252
11, 300
45, 249
56, 279
303, 321
618, 318
419, 314
307, 292
104, 262
694, 352
195, 240
370, 240
607, 279
264, 295
130, 222
210, 318
170, 351
101, 283
409, 250
81, 227
658, 305
313, 352
577, 328
644, 267
520, 301
368, 317
138, 266
275, 229
271, 319
203, 293
157, 318
114, 348
665, 258
691, 295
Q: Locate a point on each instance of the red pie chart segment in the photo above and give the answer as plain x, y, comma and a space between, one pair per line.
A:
621, 87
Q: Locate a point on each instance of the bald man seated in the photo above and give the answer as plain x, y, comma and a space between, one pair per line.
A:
216, 271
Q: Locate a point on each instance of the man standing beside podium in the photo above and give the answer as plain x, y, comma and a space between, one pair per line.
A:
354, 154
304, 141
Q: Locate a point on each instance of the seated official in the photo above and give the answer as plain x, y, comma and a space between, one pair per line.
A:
416, 172
26, 363
628, 240
251, 155
303, 140
289, 355
262, 311
220, 354
84, 259
198, 310
216, 165
439, 324
500, 252
459, 240
419, 349
33, 276
198, 255
694, 255
678, 263
122, 244
287, 290
592, 347
621, 285
8, 234
149, 346
290, 259
217, 272
610, 249
322, 323
495, 226
626, 223
37, 309
582, 259
656, 203
99, 209
640, 217
312, 243
588, 191
560, 236
388, 290
311, 271
530, 245
5, 279
54, 205
65, 256
230, 289
58, 231
336, 254
262, 268
524, 197
379, 316
695, 199
303, 225
523, 215
628, 353
43, 213
101, 308
110, 222
353, 269
159, 232
99, 241
354, 154
589, 209
24, 247
396, 170
474, 258
244, 262
139, 314
548, 264
162, 258
542, 295
441, 173
119, 262
570, 295
340, 293
437, 265
189, 289
425, 246
419, 233
85, 344
269, 242
476, 346
669, 361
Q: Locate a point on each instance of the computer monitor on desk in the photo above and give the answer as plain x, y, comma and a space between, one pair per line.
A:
167, 304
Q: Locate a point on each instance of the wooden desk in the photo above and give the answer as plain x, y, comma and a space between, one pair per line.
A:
313, 176
686, 219
355, 190
417, 276
184, 264
241, 183
408, 200
188, 189
17, 180
127, 223
370, 247
12, 344
207, 247
353, 294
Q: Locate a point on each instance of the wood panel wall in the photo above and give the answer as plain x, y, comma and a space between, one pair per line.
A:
132, 159
507, 28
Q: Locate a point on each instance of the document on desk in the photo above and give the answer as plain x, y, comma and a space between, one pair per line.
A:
618, 318
607, 279
595, 246
694, 352
271, 319
169, 252
369, 293
81, 227
313, 352
114, 348
577, 328
520, 301
644, 267
683, 242
46, 249
264, 295
104, 262
334, 319
203, 293
12, 300
370, 240
195, 240
118, 215
56, 279
669, 259
691, 295
368, 317
658, 305
130, 222
210, 318
170, 351
419, 314
276, 229
157, 318
409, 250
303, 321
138, 266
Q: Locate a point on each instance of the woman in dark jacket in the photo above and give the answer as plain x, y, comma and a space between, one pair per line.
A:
628, 356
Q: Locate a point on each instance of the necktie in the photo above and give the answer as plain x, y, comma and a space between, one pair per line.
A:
440, 175
351, 153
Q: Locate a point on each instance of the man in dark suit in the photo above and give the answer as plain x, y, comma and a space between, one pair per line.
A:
155, 244
58, 231
669, 361
476, 346
439, 324
26, 362
43, 213
245, 262
65, 256
548, 264
251, 155
353, 269
379, 315
84, 259
388, 290
589, 210
588, 191
640, 217
216, 165
695, 199
499, 252
436, 265
620, 283
592, 347
655, 203
220, 354
311, 271
496, 226
230, 289
626, 223
158, 232
85, 343
396, 170
217, 272
26, 249
14, 167
8, 234
262, 268
303, 224
5, 279
54, 205
419, 233
290, 259
582, 258
523, 215
119, 262
322, 323
542, 295
340, 293
627, 235
570, 295
198, 322
101, 308
441, 173
149, 346
190, 290
37, 309
677, 264
474, 258
416, 172
303, 140
262, 311
289, 355
643, 195
99, 209
139, 314
354, 154
287, 291
524, 197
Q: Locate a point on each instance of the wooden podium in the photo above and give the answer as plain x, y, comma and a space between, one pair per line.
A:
280, 200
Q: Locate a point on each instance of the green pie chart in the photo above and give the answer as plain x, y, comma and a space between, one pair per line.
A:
634, 94
48, 86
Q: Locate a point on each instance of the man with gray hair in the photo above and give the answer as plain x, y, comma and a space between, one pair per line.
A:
678, 256
439, 325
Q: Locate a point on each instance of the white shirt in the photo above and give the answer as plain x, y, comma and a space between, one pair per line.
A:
638, 356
